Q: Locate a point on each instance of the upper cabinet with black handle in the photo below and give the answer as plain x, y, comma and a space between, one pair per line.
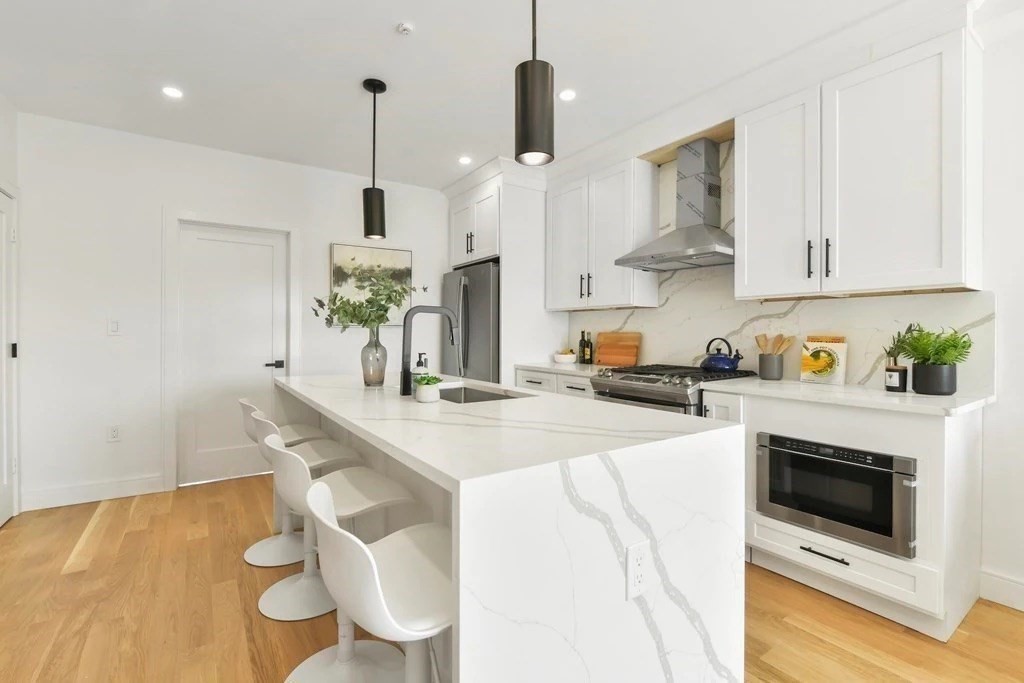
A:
474, 222
869, 183
593, 220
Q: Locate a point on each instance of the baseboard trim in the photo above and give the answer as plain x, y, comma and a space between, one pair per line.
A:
1002, 589
88, 493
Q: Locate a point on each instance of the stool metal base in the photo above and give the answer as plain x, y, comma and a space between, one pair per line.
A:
276, 551
298, 597
374, 662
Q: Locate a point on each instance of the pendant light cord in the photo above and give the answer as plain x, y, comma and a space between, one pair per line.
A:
373, 163
535, 30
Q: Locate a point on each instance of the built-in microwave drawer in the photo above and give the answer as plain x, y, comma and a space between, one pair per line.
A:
905, 581
538, 381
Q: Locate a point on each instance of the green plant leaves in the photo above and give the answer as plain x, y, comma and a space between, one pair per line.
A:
926, 347
382, 294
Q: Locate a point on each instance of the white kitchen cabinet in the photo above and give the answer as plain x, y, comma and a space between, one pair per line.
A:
555, 382
575, 386
538, 381
720, 406
474, 221
568, 237
898, 183
592, 221
895, 169
778, 216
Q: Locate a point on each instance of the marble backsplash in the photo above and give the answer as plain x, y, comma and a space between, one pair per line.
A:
696, 305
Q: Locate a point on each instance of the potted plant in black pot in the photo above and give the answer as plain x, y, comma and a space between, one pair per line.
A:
935, 356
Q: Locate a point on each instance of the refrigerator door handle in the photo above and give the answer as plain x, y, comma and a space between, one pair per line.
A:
463, 315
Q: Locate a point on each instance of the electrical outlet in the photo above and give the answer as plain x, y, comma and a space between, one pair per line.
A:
638, 569
114, 433
113, 327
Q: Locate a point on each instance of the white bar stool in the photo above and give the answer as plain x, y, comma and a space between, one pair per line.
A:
292, 434
356, 490
286, 547
398, 588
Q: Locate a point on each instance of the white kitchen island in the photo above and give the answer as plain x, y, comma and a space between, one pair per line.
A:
546, 496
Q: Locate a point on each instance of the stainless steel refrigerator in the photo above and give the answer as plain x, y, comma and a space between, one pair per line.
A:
472, 292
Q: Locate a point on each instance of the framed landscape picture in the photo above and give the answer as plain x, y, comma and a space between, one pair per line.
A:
347, 258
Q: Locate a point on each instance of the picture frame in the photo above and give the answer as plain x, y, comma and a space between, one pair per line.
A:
344, 256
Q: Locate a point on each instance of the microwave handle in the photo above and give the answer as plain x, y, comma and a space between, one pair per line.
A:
904, 510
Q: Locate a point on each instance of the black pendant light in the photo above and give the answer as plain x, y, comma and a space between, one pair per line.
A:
373, 197
535, 108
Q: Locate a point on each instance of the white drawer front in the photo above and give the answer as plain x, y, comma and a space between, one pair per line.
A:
538, 381
575, 386
912, 584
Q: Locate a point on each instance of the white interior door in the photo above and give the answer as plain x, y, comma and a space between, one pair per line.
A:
7, 487
233, 323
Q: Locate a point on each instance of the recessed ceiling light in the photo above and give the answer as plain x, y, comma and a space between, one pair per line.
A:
172, 92
567, 95
465, 161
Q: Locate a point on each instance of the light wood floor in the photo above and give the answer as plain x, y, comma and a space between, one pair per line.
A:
153, 588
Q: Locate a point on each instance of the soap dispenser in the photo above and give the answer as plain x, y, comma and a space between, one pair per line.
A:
421, 365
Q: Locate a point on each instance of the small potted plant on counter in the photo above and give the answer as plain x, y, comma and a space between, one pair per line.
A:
935, 356
895, 373
427, 390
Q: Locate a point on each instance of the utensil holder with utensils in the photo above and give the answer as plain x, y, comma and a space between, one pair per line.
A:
769, 361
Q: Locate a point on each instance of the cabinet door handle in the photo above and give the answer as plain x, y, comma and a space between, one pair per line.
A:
828, 257
810, 272
472, 239
569, 386
581, 285
274, 364
533, 381
589, 279
467, 242
809, 549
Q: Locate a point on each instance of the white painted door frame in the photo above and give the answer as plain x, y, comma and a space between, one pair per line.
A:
171, 379
9, 335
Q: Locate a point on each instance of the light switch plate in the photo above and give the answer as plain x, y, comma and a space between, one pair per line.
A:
114, 433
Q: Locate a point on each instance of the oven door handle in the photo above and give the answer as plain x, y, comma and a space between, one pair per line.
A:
640, 404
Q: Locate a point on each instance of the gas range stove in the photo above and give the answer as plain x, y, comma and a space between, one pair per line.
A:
676, 388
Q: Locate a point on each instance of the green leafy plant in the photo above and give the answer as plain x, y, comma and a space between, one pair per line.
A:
383, 293
926, 347
426, 380
894, 349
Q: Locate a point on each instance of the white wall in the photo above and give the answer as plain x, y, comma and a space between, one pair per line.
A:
91, 210
8, 142
1003, 540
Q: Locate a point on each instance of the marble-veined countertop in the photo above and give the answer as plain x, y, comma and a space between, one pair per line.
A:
855, 396
450, 442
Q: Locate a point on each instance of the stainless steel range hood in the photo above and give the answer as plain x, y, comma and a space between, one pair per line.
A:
698, 239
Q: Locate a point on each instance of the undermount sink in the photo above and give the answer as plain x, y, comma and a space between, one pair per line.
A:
470, 395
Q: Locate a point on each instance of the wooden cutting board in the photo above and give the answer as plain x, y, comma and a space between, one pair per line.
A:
617, 349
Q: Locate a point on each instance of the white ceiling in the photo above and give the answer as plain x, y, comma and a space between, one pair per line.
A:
282, 79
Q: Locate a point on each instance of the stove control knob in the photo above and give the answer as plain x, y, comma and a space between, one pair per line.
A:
606, 372
676, 381
666, 380
689, 381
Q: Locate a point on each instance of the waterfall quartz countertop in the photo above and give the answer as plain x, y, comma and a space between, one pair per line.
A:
449, 443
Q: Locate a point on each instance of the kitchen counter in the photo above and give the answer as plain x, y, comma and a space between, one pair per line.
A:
547, 496
449, 443
853, 395
570, 369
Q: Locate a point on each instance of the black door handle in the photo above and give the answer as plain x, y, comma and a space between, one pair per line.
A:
828, 257
809, 549
467, 242
581, 285
274, 364
810, 246
472, 240
589, 278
